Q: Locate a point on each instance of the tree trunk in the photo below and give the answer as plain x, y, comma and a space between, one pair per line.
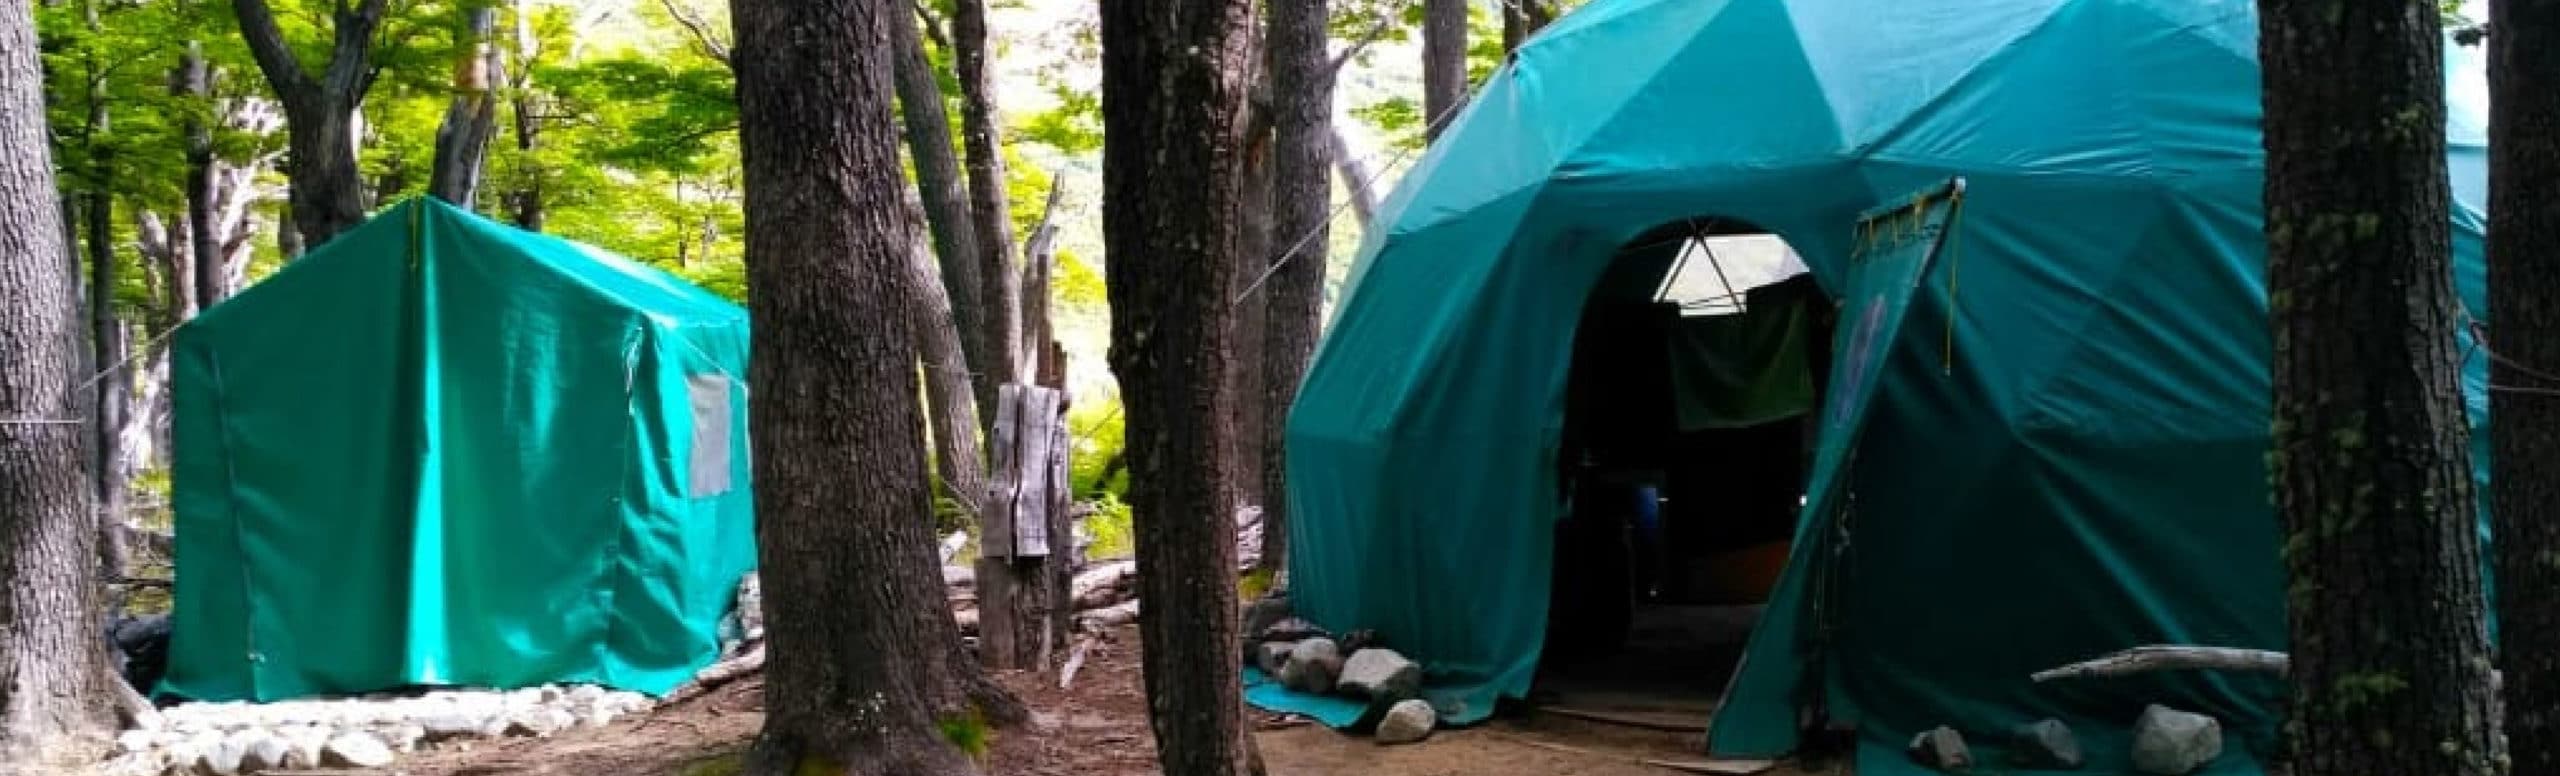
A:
1254, 241
1521, 19
462, 141
864, 660
946, 203
54, 706
1172, 91
956, 456
2524, 330
1355, 179
288, 233
1302, 150
109, 400
193, 81
327, 193
525, 203
1444, 63
2371, 463
1001, 292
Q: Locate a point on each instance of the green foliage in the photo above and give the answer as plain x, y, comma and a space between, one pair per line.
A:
1073, 126
1399, 118
1113, 528
969, 732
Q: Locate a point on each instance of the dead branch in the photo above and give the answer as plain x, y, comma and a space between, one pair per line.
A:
1075, 660
2172, 658
717, 674
702, 34
1108, 617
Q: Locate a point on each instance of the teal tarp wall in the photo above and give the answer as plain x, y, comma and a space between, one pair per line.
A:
2082, 471
442, 451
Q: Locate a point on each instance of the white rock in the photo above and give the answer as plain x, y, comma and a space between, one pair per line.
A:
267, 752
358, 750
1381, 675
541, 723
451, 723
225, 756
586, 694
132, 741
596, 717
1407, 721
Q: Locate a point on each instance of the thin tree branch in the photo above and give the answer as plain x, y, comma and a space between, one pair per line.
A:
933, 29
701, 30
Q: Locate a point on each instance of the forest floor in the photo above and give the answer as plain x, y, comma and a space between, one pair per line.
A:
1098, 727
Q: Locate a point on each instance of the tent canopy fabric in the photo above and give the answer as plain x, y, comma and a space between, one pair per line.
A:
2064, 452
442, 451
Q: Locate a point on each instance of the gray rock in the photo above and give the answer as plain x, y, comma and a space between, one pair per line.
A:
451, 724
2046, 745
1941, 748
357, 750
1262, 613
1291, 629
1312, 667
541, 723
2168, 742
1380, 675
1408, 721
1271, 655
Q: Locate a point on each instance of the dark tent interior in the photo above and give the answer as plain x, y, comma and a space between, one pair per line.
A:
1696, 366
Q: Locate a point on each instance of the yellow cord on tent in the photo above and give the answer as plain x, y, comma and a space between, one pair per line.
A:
1955, 259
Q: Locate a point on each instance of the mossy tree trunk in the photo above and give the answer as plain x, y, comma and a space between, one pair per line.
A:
2371, 464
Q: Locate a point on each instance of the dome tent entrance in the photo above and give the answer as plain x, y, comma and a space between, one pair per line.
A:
442, 451
2062, 453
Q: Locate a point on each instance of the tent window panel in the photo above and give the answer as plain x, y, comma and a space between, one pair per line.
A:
707, 474
1712, 272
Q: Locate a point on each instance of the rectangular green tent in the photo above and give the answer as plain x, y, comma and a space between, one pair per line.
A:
442, 451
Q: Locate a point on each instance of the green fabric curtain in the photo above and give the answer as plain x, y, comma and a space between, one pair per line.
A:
442, 451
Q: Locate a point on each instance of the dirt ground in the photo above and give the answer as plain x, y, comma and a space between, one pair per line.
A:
1096, 728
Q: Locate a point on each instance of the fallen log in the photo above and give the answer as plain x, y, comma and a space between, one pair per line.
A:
1108, 617
2172, 657
713, 676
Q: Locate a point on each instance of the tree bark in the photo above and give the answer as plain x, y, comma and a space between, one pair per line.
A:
1254, 240
107, 401
2371, 463
946, 204
193, 81
864, 663
1444, 63
2524, 332
1001, 281
1172, 91
956, 454
1302, 152
462, 141
327, 193
525, 204
54, 708
1521, 19
111, 396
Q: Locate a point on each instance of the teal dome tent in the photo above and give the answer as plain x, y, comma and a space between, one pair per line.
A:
2043, 214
